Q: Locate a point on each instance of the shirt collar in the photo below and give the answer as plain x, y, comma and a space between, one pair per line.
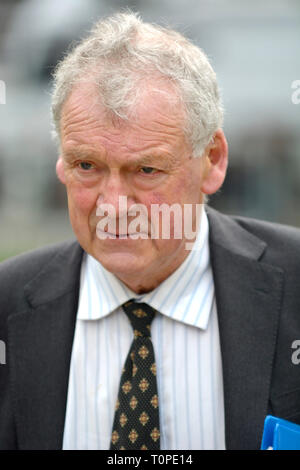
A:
187, 295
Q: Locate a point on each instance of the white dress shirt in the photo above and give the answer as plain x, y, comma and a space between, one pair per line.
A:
186, 343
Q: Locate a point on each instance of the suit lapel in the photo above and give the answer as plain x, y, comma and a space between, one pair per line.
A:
248, 295
40, 341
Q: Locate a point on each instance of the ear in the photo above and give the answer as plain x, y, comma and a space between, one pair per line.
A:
217, 160
60, 170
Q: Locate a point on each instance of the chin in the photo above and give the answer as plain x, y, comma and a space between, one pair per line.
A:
122, 263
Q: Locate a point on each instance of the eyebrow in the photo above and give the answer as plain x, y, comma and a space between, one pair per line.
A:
152, 159
77, 153
149, 159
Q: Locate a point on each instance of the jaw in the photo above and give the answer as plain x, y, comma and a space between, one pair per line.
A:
139, 264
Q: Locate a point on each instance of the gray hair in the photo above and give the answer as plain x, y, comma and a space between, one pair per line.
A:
120, 52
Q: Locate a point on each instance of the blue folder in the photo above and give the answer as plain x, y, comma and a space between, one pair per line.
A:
280, 434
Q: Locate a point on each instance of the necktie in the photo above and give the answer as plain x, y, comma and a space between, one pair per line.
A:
136, 421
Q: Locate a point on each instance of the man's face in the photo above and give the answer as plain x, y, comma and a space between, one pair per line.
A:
147, 159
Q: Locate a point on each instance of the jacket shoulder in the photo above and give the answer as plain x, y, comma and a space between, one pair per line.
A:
276, 235
16, 272
27, 264
282, 244
272, 243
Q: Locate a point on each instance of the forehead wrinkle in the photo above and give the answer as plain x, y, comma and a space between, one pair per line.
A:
76, 126
74, 113
158, 132
85, 100
148, 146
136, 138
157, 129
110, 141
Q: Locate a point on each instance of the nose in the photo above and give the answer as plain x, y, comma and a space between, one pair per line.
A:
115, 195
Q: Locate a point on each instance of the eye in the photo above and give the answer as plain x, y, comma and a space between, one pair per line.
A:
85, 166
147, 170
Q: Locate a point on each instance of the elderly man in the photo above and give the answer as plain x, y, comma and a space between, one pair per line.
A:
127, 338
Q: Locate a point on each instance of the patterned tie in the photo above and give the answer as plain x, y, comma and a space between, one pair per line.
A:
136, 422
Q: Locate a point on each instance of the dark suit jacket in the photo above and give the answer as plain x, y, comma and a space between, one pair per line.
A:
256, 268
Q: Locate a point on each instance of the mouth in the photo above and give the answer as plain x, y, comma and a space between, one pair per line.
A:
103, 235
120, 235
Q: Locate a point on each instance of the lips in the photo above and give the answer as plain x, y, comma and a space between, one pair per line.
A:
120, 235
105, 234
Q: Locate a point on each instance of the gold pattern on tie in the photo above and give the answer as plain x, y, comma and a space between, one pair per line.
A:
136, 421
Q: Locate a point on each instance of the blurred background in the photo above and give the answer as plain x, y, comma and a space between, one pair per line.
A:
253, 46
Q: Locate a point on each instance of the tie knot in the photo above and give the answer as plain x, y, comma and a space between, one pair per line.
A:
140, 316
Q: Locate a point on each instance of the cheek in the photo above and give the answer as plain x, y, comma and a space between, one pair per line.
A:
155, 198
188, 189
175, 194
81, 199
178, 192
